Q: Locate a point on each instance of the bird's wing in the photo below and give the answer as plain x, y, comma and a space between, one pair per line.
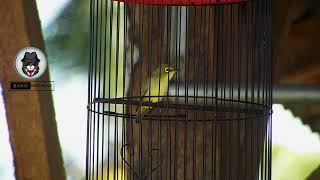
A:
146, 90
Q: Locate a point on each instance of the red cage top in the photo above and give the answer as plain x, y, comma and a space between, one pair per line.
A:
182, 2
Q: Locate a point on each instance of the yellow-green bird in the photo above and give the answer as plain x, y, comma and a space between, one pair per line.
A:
161, 76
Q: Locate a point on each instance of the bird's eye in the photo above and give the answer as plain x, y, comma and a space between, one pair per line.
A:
167, 70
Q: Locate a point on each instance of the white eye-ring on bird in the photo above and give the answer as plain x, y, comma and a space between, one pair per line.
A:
170, 69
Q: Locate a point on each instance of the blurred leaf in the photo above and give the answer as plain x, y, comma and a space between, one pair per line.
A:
66, 40
287, 164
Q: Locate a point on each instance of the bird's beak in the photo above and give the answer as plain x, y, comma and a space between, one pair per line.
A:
175, 69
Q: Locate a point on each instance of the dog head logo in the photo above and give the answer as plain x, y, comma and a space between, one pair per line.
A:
30, 64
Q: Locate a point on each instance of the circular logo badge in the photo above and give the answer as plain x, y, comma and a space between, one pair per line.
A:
30, 63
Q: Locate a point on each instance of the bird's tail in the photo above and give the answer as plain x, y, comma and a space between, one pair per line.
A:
140, 114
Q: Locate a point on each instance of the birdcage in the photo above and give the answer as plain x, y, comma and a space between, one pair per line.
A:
179, 89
